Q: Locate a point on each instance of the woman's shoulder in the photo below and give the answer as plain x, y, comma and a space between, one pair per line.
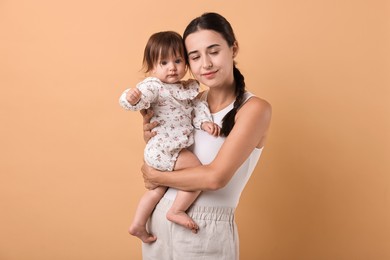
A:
255, 105
253, 100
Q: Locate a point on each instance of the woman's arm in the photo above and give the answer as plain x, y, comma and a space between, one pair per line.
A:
249, 131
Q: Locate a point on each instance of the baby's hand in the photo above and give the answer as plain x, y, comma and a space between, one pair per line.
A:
133, 96
211, 128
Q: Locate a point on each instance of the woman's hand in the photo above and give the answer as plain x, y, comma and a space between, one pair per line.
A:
147, 114
147, 172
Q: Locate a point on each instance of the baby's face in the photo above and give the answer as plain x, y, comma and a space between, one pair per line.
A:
170, 70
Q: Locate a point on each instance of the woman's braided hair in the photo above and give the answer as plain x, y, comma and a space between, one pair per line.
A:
228, 120
216, 22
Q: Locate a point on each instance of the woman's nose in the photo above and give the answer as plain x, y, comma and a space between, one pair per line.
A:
207, 64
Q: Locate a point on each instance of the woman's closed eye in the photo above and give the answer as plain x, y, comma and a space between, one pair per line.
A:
214, 51
194, 58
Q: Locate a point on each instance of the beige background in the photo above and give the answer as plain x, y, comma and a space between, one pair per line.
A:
70, 156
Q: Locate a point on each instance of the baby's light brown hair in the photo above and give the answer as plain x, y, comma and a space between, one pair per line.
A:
160, 46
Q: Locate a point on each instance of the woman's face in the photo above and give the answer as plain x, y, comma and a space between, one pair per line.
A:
210, 58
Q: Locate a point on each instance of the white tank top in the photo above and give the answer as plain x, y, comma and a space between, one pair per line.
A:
206, 148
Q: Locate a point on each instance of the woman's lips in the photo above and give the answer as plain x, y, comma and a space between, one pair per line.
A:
209, 75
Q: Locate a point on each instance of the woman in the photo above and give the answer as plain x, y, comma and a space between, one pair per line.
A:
228, 161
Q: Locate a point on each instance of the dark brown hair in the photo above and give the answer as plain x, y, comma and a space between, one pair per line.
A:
160, 46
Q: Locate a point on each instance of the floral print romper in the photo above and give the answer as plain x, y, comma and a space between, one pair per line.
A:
177, 111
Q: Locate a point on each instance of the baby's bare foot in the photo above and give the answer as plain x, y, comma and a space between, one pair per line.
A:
141, 233
182, 219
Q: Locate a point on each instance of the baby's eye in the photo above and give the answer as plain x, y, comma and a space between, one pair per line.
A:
178, 61
164, 62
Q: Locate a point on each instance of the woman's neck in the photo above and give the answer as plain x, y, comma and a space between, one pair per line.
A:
219, 98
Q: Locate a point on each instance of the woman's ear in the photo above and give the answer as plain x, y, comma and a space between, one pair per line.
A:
235, 49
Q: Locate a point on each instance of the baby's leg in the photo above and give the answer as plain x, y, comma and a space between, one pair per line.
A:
184, 199
144, 209
177, 212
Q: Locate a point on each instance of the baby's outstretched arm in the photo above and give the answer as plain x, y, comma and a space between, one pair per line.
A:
211, 128
133, 96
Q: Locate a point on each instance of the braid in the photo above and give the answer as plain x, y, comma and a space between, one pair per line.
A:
229, 119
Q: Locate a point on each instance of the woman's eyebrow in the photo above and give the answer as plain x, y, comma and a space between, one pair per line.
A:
212, 46
192, 52
208, 47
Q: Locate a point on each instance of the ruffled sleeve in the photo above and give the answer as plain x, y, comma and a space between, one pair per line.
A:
201, 113
149, 88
